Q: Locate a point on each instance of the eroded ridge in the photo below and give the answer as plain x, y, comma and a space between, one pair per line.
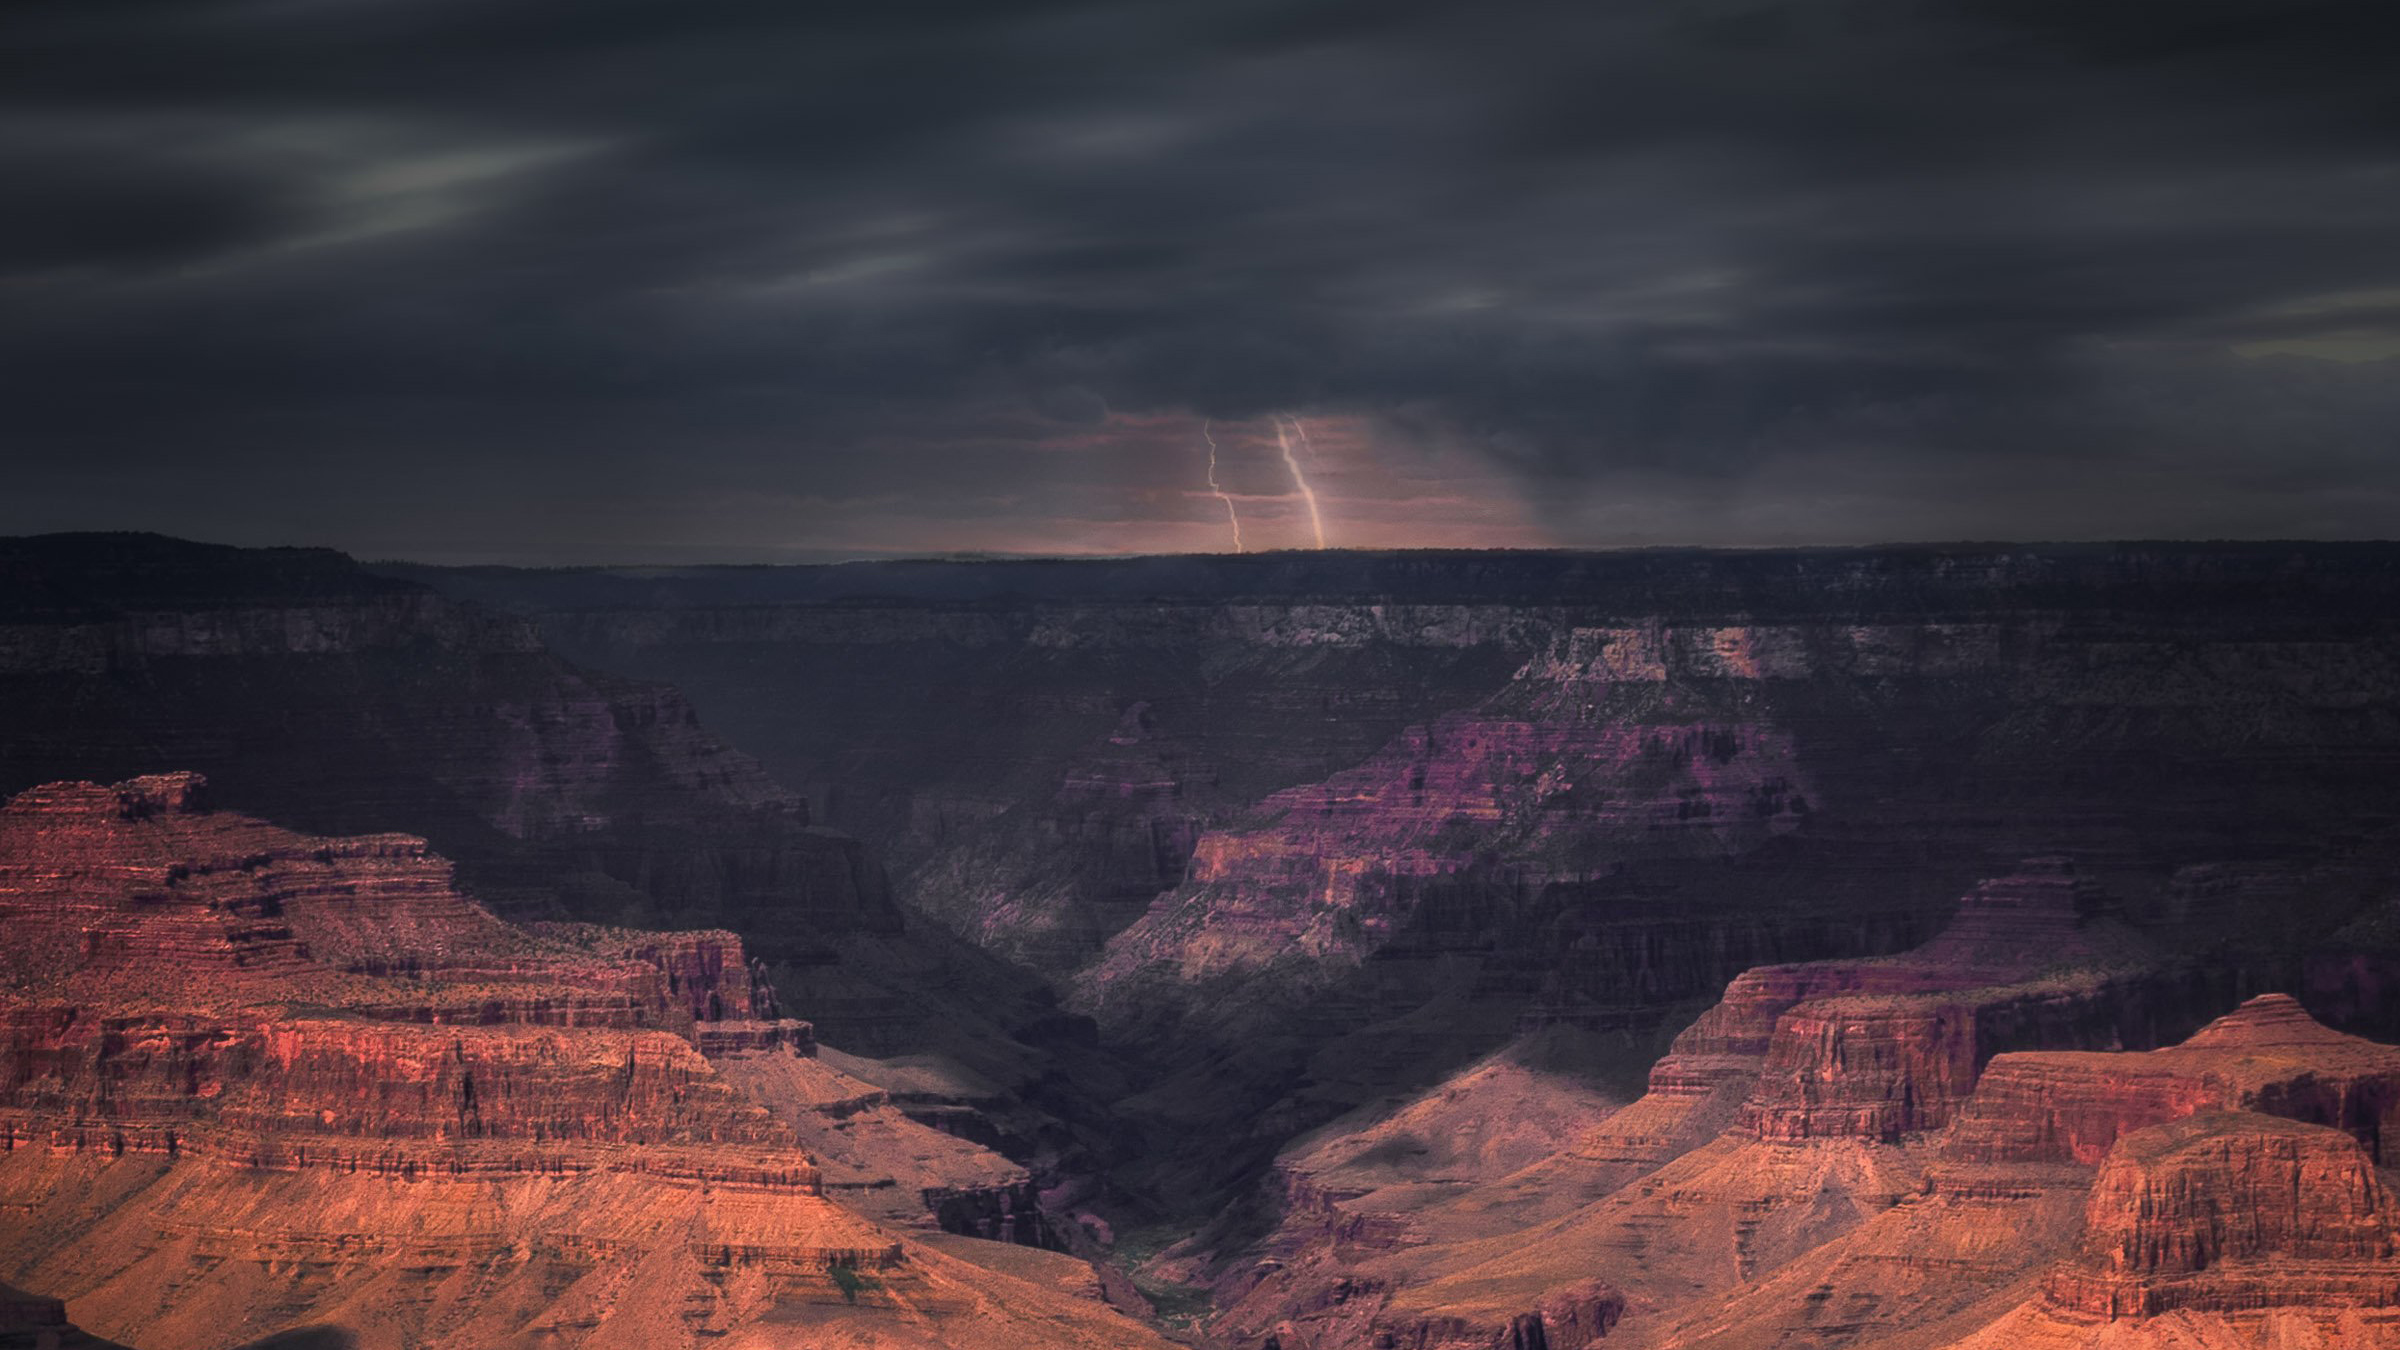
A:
254, 1080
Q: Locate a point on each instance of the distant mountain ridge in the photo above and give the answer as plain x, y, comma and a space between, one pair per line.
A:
1757, 582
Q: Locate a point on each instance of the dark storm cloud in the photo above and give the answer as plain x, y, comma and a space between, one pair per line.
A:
479, 278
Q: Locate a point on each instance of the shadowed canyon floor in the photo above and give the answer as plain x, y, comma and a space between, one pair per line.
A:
1878, 948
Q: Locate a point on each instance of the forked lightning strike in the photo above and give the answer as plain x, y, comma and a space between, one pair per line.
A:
1232, 516
1300, 480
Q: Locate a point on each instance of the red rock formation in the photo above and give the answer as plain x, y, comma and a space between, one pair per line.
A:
314, 692
876, 1159
2267, 1056
1546, 780
197, 981
251, 1080
1706, 1081
1884, 1066
2233, 1212
130, 896
2210, 1231
708, 972
1776, 1133
1882, 1050
1347, 848
1357, 1195
30, 1322
2223, 1229
1568, 1319
2204, 1230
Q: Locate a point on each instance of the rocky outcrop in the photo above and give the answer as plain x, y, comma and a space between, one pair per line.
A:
1885, 1048
1882, 1050
876, 1158
1569, 1319
313, 692
31, 1322
2222, 1229
2233, 1212
1047, 879
1374, 1184
1403, 807
1701, 763
133, 895
2267, 1056
2203, 1225
183, 975
253, 1081
707, 972
1885, 1066
1789, 1115
1338, 869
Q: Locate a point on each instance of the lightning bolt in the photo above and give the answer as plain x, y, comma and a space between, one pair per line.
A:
1230, 514
1299, 479
1307, 451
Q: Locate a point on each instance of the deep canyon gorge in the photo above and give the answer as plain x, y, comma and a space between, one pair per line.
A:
1974, 946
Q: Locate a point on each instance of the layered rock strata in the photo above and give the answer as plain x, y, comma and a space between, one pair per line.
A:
315, 693
2237, 1200
2267, 1056
2199, 1226
2232, 1212
1790, 1115
254, 1082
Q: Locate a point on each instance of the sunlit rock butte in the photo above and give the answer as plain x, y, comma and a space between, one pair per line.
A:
260, 1082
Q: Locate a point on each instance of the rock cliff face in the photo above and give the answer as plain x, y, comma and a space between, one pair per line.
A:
254, 1081
2200, 1227
1883, 1048
2237, 1198
2267, 1056
1328, 907
135, 896
1046, 880
1919, 689
1787, 1116
1302, 835
1616, 745
313, 692
2232, 1212
1338, 868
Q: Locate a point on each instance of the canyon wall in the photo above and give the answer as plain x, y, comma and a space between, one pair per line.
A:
313, 692
1229, 895
1301, 832
2236, 1198
255, 1082
1785, 1115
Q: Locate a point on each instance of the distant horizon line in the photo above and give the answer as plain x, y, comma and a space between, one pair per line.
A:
854, 557
836, 558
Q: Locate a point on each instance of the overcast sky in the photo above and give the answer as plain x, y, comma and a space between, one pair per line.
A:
745, 279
